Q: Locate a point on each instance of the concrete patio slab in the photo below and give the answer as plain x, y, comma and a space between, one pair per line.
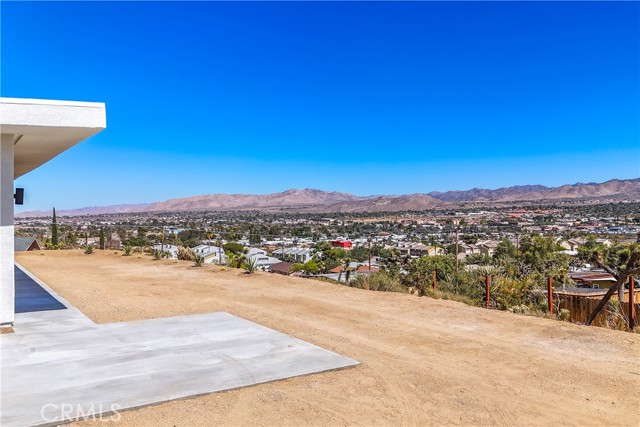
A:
60, 366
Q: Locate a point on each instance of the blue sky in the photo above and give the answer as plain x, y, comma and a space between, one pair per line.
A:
368, 98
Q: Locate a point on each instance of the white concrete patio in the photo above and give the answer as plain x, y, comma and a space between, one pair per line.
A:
59, 365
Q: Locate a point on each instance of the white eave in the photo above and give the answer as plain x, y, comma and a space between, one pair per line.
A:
42, 129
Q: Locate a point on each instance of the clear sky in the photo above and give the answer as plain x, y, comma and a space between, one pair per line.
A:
367, 98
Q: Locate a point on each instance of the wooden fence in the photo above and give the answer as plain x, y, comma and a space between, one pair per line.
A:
580, 306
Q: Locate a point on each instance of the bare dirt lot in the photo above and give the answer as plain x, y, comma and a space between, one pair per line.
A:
424, 361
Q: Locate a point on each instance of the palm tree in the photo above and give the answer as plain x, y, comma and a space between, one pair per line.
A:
219, 245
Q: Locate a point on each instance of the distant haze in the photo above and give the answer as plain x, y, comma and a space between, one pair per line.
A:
311, 200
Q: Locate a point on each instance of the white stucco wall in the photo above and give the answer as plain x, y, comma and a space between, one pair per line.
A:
33, 132
7, 287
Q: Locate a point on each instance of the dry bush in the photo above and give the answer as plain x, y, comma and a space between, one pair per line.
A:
378, 281
186, 254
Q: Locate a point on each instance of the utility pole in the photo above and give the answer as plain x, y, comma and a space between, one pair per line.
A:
369, 253
282, 247
457, 222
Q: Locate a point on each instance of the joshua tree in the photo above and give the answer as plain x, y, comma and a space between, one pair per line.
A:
621, 265
347, 270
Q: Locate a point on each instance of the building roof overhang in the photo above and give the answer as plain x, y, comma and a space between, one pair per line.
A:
42, 129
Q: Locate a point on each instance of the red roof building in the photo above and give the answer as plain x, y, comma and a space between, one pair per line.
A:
345, 244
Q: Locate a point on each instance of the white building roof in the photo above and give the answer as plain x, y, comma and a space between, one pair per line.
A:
42, 129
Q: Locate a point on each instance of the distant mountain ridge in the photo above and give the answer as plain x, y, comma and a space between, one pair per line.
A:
484, 194
312, 200
614, 187
290, 199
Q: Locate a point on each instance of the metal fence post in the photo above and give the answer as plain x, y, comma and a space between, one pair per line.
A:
632, 303
488, 285
550, 294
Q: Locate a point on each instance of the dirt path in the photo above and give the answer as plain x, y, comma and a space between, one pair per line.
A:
424, 361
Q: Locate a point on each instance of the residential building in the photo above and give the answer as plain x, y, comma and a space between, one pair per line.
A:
33, 132
344, 244
261, 259
22, 244
295, 255
283, 268
593, 279
211, 254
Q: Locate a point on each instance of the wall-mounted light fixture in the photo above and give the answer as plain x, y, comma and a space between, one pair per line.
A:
19, 196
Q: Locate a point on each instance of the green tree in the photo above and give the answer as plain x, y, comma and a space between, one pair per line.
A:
505, 250
360, 253
330, 257
393, 263
102, 238
233, 248
469, 239
420, 271
54, 230
543, 255
70, 240
310, 267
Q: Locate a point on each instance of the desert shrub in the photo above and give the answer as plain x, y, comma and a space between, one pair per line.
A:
127, 250
614, 316
377, 281
235, 260
159, 254
249, 265
186, 254
88, 249
519, 309
298, 266
507, 292
446, 295
327, 280
198, 261
467, 284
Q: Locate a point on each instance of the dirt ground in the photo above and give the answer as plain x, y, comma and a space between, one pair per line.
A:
424, 361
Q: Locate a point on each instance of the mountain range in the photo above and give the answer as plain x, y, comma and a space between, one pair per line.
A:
311, 200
